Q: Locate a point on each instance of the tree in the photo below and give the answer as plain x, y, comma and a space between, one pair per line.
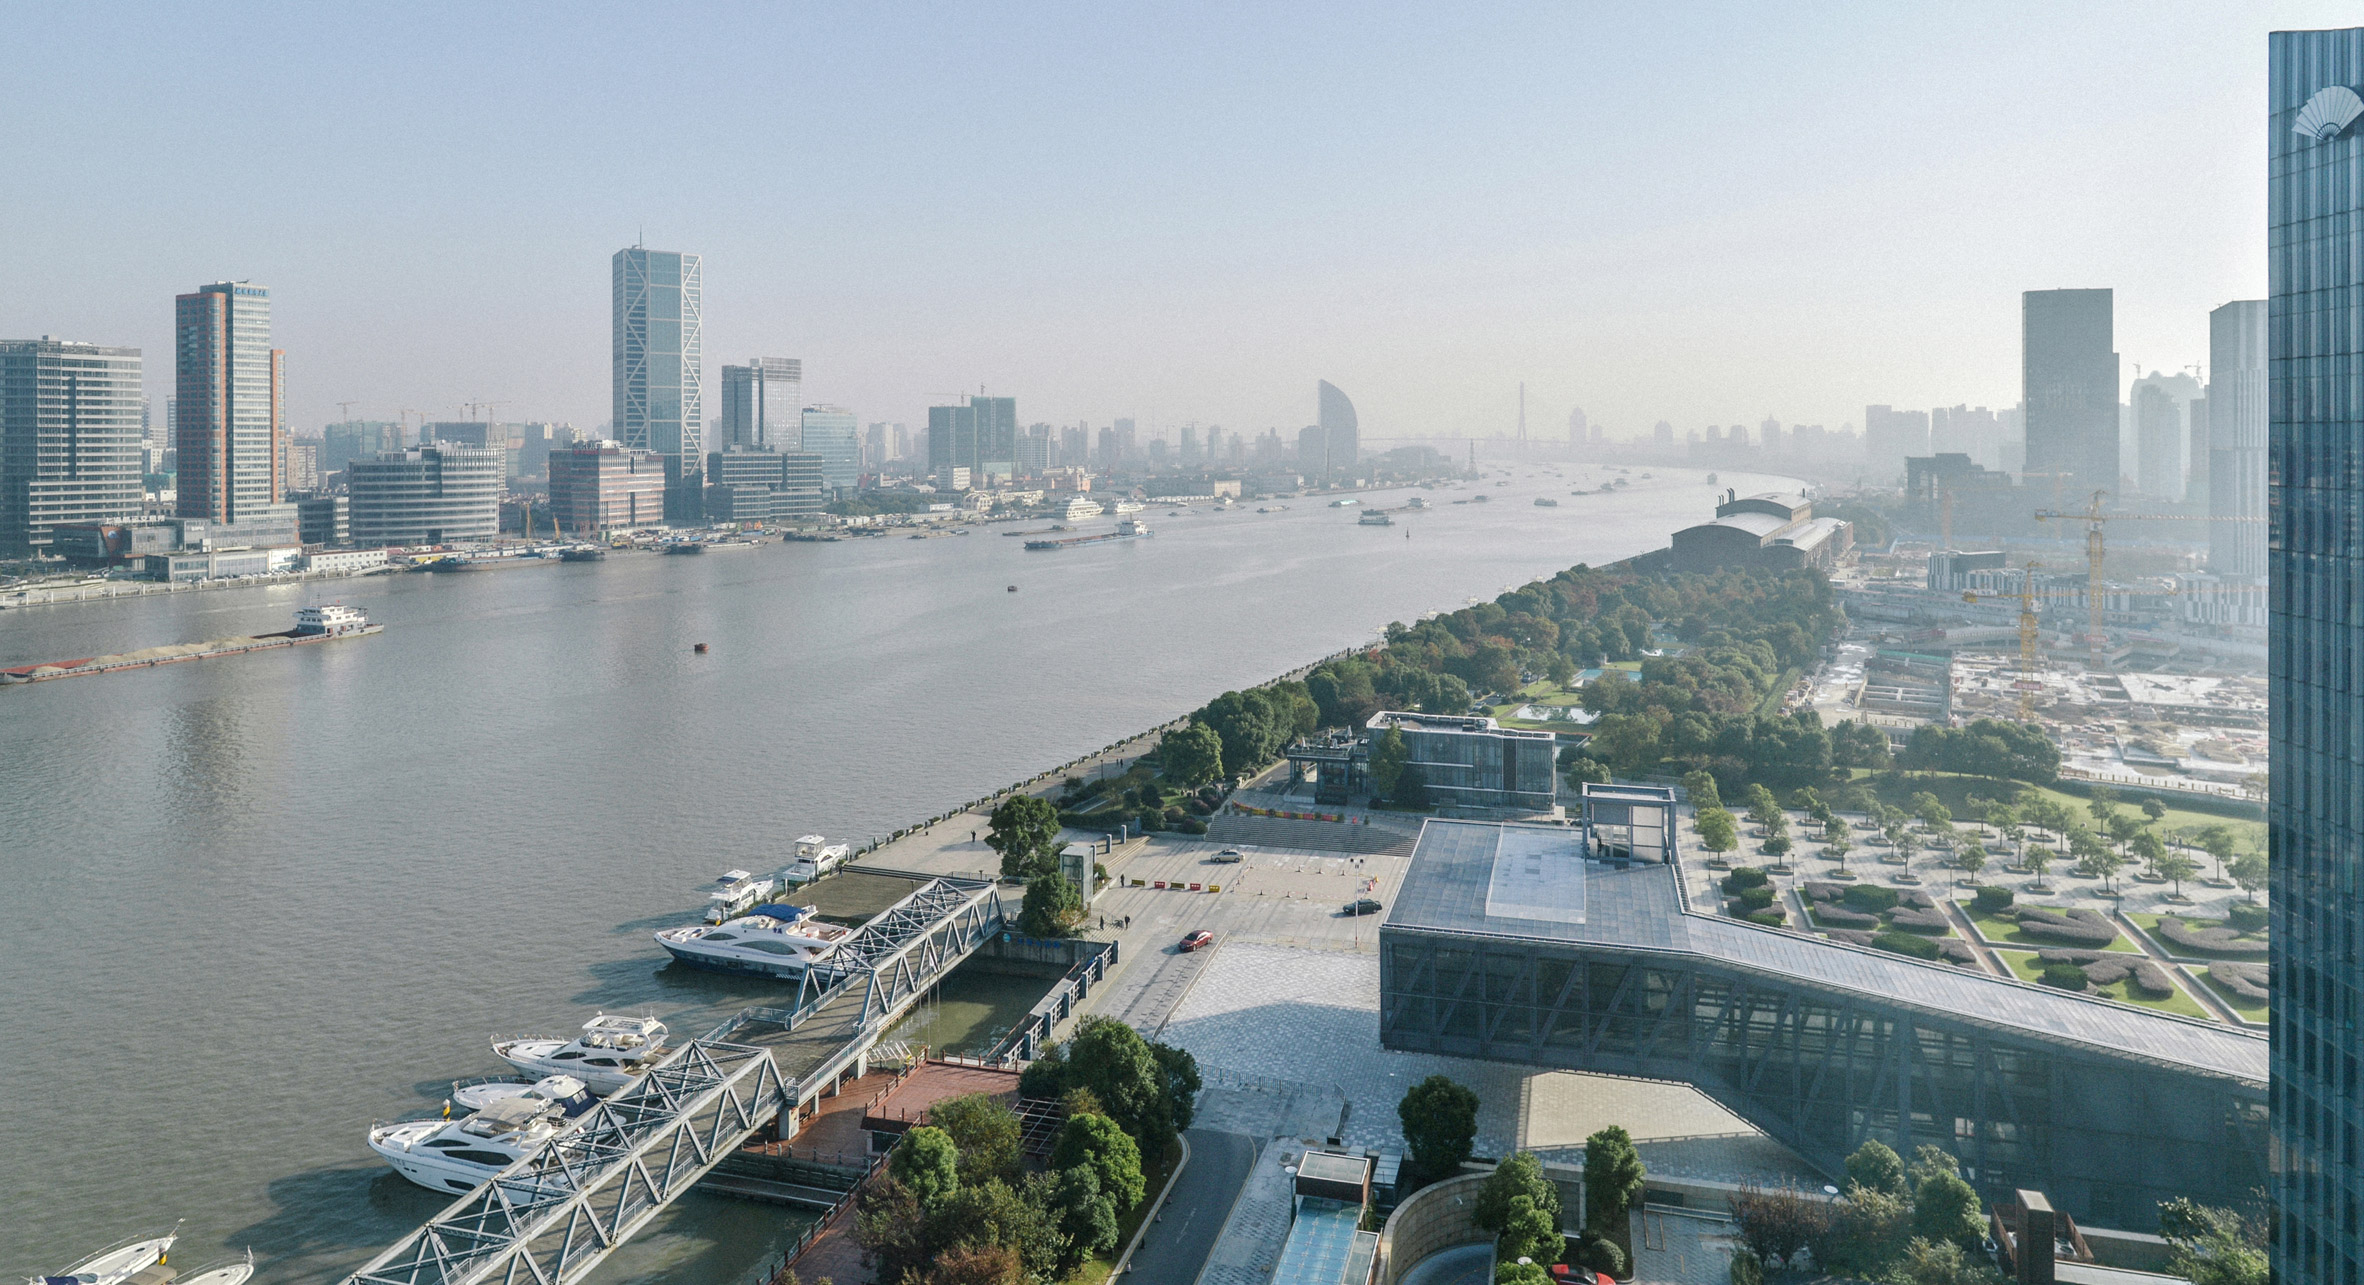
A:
1086, 1214
2096, 861
1875, 1166
2212, 1246
1530, 1232
927, 1163
1096, 1143
1581, 770
1868, 1231
2100, 801
1052, 908
1627, 742
987, 1136
2175, 867
1774, 1225
1946, 1209
2036, 860
2217, 841
1987, 747
1390, 753
1015, 1218
2122, 829
1411, 789
2154, 809
1192, 756
1932, 1262
1839, 846
1777, 846
1025, 831
2250, 871
1971, 858
970, 1265
1182, 1082
1519, 1176
1701, 786
1613, 1177
2150, 848
891, 1226
1440, 1122
1717, 833
1931, 811
1763, 808
1116, 1064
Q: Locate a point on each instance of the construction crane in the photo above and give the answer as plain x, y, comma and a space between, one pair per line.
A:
2097, 554
2027, 684
346, 409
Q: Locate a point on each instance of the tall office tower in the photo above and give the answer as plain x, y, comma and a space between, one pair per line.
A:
830, 432
1126, 449
1187, 450
2158, 442
2237, 392
1034, 450
952, 443
1341, 433
69, 439
657, 357
1972, 431
874, 445
1579, 429
228, 387
2195, 453
2068, 371
1891, 436
1313, 452
2315, 707
1662, 434
1074, 451
761, 403
997, 437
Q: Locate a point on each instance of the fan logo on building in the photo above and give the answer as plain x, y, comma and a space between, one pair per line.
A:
2330, 111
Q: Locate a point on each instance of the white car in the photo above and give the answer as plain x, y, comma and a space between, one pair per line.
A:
1228, 856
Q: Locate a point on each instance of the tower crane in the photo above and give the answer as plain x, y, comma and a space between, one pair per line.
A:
2027, 684
2097, 554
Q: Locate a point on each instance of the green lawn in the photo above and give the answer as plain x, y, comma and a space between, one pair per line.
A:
2249, 1009
2006, 932
2150, 924
2028, 968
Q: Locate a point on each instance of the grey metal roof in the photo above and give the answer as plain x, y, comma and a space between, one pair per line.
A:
1639, 908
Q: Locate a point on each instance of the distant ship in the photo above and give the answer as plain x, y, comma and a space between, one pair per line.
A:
1546, 502
1374, 518
582, 553
1125, 530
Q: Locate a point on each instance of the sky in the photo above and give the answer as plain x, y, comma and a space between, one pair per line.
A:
1707, 214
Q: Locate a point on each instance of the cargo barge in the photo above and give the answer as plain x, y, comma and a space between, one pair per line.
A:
313, 624
1125, 530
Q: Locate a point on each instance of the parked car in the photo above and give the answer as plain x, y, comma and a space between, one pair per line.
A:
1197, 940
1366, 906
1228, 856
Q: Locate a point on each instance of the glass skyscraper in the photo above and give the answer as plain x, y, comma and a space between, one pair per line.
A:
760, 401
2315, 653
69, 438
2236, 466
2069, 386
1341, 436
659, 367
227, 382
832, 433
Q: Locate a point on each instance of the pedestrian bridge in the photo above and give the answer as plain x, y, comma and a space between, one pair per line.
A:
555, 1215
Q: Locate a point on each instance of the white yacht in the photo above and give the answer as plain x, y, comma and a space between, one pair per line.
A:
572, 1096
232, 1273
1080, 508
734, 893
815, 856
1122, 507
609, 1054
120, 1264
458, 1155
775, 941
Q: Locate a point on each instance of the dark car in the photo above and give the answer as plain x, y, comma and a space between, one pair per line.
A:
1366, 906
1196, 940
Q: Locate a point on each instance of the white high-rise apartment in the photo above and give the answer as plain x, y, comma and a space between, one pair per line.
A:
69, 438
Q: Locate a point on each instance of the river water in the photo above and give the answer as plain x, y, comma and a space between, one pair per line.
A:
252, 904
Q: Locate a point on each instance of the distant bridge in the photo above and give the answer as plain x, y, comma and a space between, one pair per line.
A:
555, 1215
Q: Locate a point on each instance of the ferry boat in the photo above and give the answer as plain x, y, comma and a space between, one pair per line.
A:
734, 893
332, 620
570, 1095
608, 1056
775, 941
1374, 518
816, 856
1080, 508
685, 546
1122, 507
459, 1155
1418, 502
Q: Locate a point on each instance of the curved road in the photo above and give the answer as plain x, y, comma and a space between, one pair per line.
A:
1178, 1243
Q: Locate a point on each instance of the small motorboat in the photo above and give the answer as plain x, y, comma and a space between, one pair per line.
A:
572, 1096
608, 1056
699, 648
119, 1264
459, 1155
234, 1272
735, 892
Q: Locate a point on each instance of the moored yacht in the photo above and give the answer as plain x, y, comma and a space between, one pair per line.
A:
607, 1057
775, 941
735, 893
458, 1155
571, 1096
119, 1264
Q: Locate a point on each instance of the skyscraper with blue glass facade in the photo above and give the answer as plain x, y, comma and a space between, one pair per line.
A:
2315, 666
658, 364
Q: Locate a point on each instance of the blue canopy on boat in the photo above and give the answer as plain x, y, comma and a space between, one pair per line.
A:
785, 914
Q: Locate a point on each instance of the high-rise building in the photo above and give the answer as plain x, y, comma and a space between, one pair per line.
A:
1340, 432
600, 486
1973, 431
1313, 451
658, 365
762, 403
832, 433
874, 445
69, 439
1075, 446
357, 439
433, 494
303, 464
2237, 437
1890, 437
1034, 450
228, 385
2158, 442
2069, 386
952, 443
997, 437
2195, 453
2315, 361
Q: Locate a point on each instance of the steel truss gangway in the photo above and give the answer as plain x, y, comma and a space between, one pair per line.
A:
556, 1214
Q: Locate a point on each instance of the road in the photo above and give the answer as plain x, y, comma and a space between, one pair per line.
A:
1178, 1243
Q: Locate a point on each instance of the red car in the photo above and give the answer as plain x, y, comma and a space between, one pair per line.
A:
1197, 940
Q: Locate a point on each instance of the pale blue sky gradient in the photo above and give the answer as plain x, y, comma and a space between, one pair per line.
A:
1706, 214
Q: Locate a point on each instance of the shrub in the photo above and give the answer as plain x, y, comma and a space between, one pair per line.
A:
2068, 977
1191, 825
1746, 1270
1870, 897
2245, 980
1919, 921
1770, 916
2246, 917
1906, 944
1745, 877
2073, 927
1823, 890
2209, 938
1600, 1254
1991, 901
1756, 898
1841, 917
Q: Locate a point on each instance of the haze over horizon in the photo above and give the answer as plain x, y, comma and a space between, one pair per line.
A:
1177, 216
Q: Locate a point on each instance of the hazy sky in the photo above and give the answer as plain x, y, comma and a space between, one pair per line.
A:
1706, 214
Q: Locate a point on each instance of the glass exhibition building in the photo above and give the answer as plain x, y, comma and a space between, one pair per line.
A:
1510, 942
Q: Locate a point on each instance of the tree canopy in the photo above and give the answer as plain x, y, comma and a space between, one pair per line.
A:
1440, 1124
1025, 831
1613, 1177
1987, 747
1191, 757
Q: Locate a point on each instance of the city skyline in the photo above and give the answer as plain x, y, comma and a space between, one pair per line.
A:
1824, 280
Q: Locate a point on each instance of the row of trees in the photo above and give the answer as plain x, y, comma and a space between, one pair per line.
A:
1024, 830
1911, 1225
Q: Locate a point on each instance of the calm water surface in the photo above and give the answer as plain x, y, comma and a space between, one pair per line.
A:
253, 904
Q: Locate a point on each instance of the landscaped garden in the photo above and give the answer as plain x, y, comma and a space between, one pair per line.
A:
2038, 927
2128, 979
2242, 935
2241, 984
1905, 923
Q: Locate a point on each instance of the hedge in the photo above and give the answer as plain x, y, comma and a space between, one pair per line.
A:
1871, 897
1743, 878
1991, 901
1907, 944
1841, 917
2208, 937
2067, 977
1919, 921
2246, 980
2072, 927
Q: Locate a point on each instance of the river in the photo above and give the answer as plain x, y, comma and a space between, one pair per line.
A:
252, 904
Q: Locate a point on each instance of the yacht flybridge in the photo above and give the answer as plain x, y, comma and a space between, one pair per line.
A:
607, 1057
571, 1096
459, 1155
775, 941
735, 893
